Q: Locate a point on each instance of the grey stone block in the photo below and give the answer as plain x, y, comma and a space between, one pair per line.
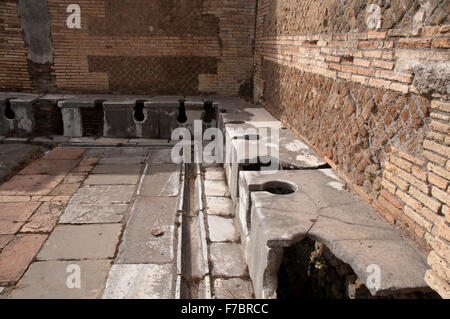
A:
81, 242
140, 282
103, 194
227, 260
93, 214
139, 246
161, 180
221, 229
48, 280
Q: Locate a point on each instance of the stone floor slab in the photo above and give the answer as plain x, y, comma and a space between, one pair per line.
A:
81, 242
17, 255
112, 179
44, 219
93, 214
123, 160
118, 169
116, 152
227, 260
4, 240
233, 288
163, 155
30, 185
65, 189
48, 280
138, 245
220, 206
140, 282
103, 194
64, 153
214, 174
221, 229
11, 155
17, 211
161, 180
217, 189
50, 167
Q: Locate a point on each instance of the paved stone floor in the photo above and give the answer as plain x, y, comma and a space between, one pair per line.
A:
88, 210
230, 278
100, 222
12, 155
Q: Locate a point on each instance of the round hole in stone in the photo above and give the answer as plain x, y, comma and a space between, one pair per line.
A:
235, 122
279, 188
249, 137
9, 113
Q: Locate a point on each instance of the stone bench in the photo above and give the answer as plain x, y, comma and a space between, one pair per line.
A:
252, 127
279, 210
17, 115
134, 116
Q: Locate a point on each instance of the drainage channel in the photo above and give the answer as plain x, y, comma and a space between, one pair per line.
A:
193, 280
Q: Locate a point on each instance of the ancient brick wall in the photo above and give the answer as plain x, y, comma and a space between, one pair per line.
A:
367, 84
13, 54
135, 47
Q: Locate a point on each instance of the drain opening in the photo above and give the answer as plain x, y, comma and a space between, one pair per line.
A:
279, 188
182, 116
310, 270
93, 119
9, 113
209, 112
139, 111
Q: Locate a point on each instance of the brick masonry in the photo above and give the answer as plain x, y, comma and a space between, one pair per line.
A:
14, 75
373, 99
366, 84
205, 46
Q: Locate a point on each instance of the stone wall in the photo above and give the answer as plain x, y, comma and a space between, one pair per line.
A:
130, 47
367, 84
14, 73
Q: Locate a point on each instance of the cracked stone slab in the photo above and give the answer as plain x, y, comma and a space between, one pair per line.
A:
227, 260
50, 167
4, 240
233, 288
48, 280
122, 169
220, 206
81, 242
402, 266
222, 229
138, 245
112, 179
103, 194
140, 281
30, 185
44, 219
93, 214
216, 189
161, 180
